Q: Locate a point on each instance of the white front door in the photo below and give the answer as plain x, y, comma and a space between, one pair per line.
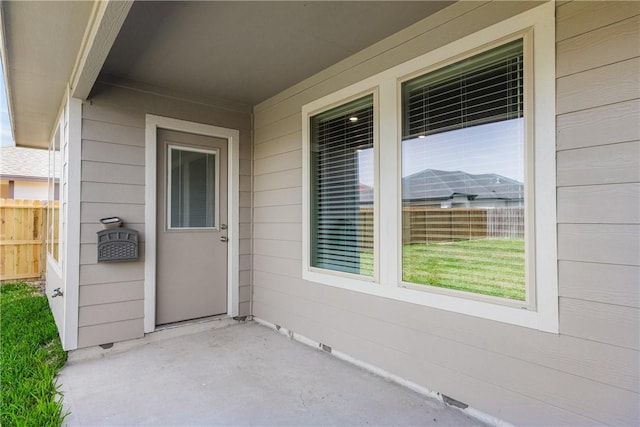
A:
191, 266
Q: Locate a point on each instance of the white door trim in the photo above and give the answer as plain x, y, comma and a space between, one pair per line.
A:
152, 123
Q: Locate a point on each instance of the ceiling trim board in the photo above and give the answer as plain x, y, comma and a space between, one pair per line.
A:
104, 26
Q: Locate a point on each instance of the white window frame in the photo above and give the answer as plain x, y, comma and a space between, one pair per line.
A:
541, 310
56, 168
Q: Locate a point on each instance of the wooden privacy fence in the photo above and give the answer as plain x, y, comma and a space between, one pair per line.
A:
23, 231
431, 225
425, 225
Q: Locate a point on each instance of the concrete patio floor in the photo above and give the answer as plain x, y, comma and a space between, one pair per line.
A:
239, 375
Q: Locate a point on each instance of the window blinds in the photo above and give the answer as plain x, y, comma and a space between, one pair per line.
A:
341, 205
481, 89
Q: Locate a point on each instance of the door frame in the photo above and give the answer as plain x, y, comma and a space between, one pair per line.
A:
152, 123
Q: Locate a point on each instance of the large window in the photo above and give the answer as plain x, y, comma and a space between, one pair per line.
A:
463, 175
342, 188
53, 204
439, 189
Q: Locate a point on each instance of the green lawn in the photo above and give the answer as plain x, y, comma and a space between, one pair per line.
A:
485, 266
30, 358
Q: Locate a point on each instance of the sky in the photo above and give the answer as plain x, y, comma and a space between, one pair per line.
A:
490, 148
5, 128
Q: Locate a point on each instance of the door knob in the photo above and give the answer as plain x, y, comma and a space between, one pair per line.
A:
224, 239
223, 226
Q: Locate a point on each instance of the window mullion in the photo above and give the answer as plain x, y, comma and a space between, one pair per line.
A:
388, 196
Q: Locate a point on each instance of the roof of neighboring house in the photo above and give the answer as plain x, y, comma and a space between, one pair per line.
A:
28, 163
433, 184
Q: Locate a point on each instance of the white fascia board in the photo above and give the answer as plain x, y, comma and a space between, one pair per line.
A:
104, 26
3, 56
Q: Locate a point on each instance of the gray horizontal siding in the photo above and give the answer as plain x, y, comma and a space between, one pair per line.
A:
109, 192
609, 203
287, 178
110, 300
107, 293
609, 84
446, 379
275, 163
589, 374
273, 214
110, 332
451, 355
278, 230
576, 17
284, 144
604, 164
91, 212
602, 125
113, 180
584, 280
278, 248
292, 195
115, 133
99, 172
99, 314
589, 359
598, 165
93, 274
600, 243
120, 154
596, 321
607, 45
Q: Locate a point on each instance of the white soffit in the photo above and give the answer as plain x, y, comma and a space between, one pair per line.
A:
43, 42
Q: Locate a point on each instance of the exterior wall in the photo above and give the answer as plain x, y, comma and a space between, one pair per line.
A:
598, 152
588, 374
30, 190
113, 176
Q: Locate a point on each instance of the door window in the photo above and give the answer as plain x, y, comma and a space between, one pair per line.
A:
192, 200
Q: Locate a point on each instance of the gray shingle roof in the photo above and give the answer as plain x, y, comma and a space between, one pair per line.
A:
25, 162
433, 184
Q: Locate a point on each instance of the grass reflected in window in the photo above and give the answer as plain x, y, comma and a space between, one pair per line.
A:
485, 266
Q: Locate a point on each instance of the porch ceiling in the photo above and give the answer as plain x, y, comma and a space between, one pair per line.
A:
246, 52
242, 52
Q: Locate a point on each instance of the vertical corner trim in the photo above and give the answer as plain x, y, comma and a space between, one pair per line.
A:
71, 268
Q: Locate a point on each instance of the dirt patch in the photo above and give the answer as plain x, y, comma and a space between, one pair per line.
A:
40, 285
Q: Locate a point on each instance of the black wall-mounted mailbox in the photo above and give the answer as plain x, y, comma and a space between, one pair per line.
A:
117, 244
